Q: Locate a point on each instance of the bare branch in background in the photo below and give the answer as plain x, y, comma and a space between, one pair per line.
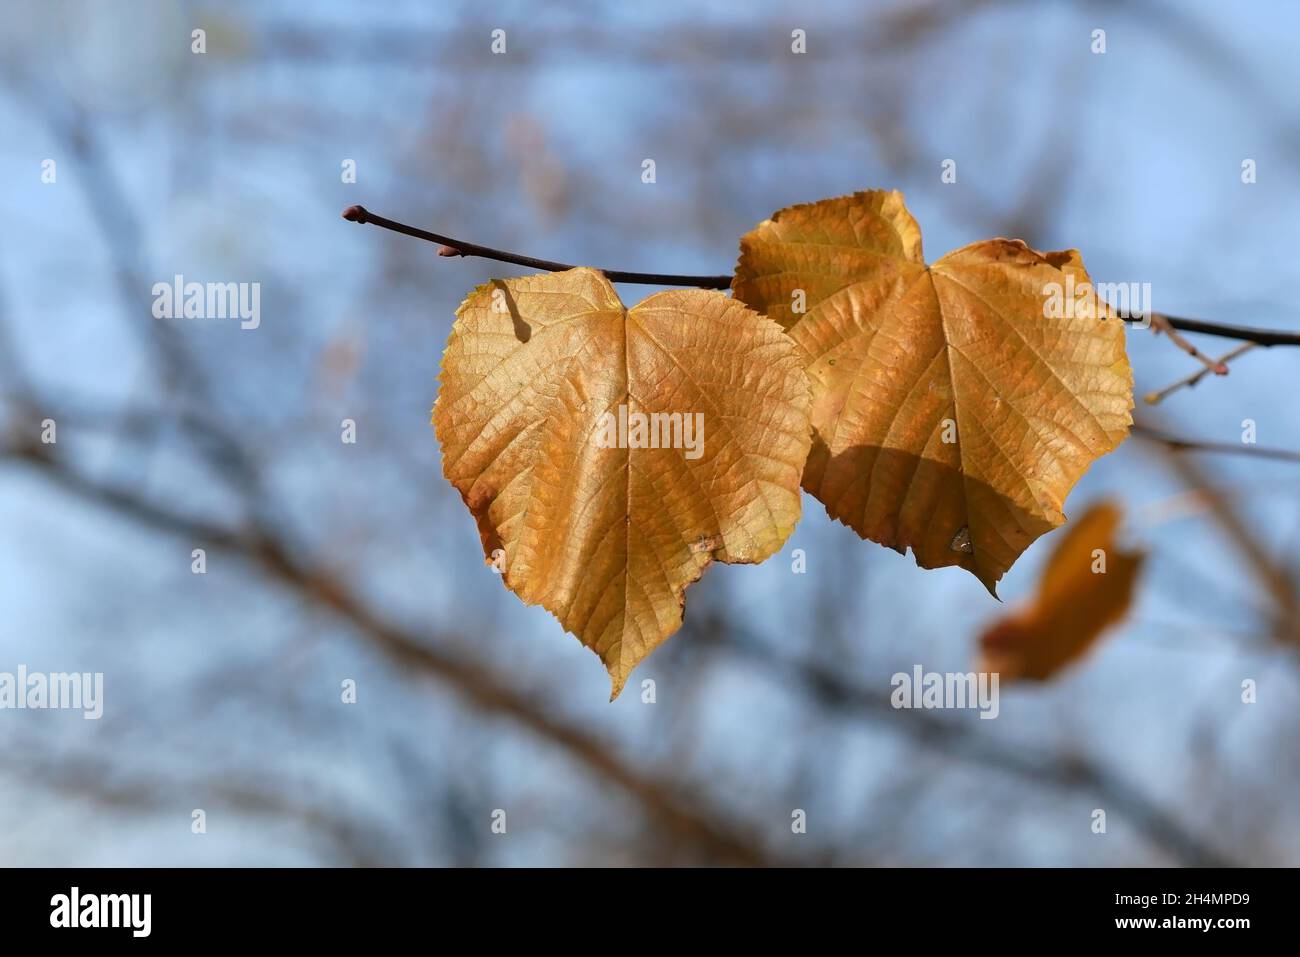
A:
678, 815
358, 841
1277, 578
1178, 443
964, 742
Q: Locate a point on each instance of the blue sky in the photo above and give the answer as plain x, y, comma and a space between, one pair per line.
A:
229, 163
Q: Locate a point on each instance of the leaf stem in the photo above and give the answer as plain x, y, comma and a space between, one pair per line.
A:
458, 247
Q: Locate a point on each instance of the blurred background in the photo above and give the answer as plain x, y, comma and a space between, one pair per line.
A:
329, 562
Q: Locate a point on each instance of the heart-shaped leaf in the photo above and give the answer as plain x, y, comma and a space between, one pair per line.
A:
609, 455
954, 405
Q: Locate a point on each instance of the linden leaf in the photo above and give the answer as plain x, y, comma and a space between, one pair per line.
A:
1087, 587
552, 392
951, 414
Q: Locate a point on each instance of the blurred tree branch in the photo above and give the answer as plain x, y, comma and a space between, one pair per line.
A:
359, 842
1276, 576
964, 742
1175, 443
677, 814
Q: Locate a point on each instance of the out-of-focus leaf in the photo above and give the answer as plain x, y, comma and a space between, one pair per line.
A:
951, 415
608, 539
1086, 588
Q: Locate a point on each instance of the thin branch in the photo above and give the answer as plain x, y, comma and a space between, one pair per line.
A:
1187, 382
1261, 337
458, 247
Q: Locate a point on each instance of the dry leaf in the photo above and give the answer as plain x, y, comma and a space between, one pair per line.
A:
950, 415
1076, 602
608, 539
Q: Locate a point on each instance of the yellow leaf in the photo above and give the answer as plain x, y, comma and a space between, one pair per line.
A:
1087, 587
607, 538
951, 414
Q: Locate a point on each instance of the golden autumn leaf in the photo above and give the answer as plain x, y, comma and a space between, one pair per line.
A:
546, 382
1087, 587
953, 410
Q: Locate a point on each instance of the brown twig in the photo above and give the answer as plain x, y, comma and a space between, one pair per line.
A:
1187, 382
457, 247
1161, 323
